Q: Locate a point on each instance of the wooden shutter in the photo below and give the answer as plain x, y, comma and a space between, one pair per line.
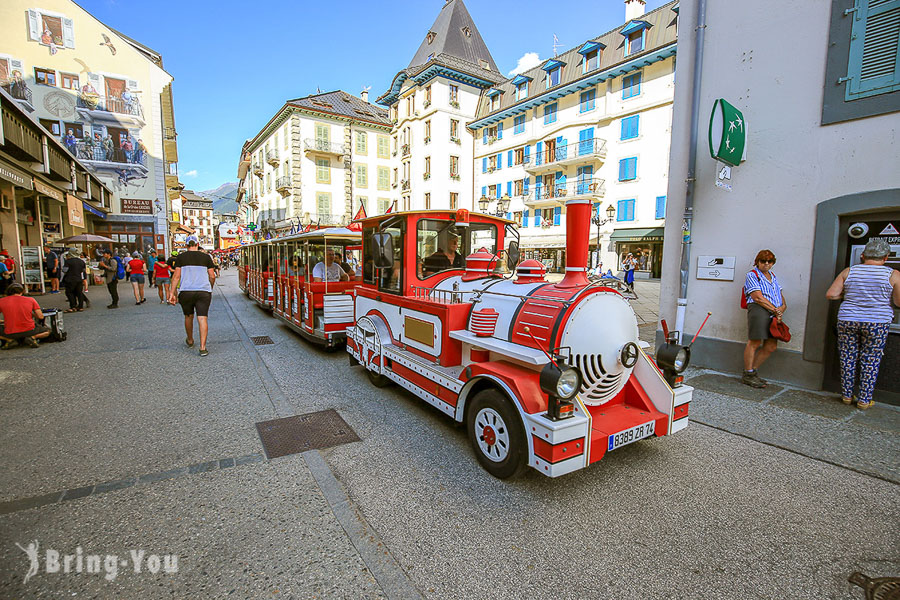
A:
557, 215
874, 62
34, 26
484, 165
499, 160
68, 33
500, 130
525, 218
485, 136
538, 148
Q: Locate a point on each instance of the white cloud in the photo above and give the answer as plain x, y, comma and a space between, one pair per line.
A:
528, 60
192, 173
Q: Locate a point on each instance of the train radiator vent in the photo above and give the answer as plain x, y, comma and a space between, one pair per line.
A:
598, 385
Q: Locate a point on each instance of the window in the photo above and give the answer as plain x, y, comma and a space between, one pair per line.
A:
362, 143
286, 137
427, 131
275, 143
77, 129
362, 176
454, 166
323, 206
519, 156
51, 30
454, 200
44, 76
591, 60
519, 124
427, 167
495, 102
630, 126
68, 81
625, 211
323, 170
363, 201
550, 113
323, 133
384, 149
660, 207
454, 129
635, 42
628, 169
454, 95
51, 126
553, 77
522, 91
428, 95
588, 100
631, 86
384, 178
268, 182
383, 205
520, 187
427, 201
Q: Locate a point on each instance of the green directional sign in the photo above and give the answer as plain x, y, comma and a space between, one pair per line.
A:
727, 133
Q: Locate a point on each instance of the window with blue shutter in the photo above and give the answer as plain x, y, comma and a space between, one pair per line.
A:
588, 100
553, 77
550, 113
509, 158
625, 210
631, 86
630, 127
585, 177
525, 184
538, 185
500, 130
484, 165
484, 139
562, 148
519, 124
527, 154
483, 190
660, 207
509, 188
538, 153
509, 216
597, 210
525, 218
499, 160
585, 141
628, 169
537, 218
497, 191
560, 182
874, 64
557, 215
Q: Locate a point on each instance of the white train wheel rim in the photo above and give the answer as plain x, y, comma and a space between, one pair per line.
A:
492, 434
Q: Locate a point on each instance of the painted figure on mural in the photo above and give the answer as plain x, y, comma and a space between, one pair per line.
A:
18, 85
109, 147
70, 142
139, 150
128, 147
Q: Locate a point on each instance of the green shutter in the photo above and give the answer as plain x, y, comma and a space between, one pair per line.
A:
874, 62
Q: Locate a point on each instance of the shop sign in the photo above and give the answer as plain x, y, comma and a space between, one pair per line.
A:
716, 267
51, 228
727, 134
137, 206
15, 176
75, 210
42, 188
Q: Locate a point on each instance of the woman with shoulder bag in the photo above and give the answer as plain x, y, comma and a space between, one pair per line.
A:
765, 301
864, 318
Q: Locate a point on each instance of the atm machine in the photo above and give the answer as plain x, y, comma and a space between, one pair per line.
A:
855, 231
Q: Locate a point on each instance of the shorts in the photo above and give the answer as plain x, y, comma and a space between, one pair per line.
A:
163, 280
192, 301
137, 279
758, 322
52, 273
21, 335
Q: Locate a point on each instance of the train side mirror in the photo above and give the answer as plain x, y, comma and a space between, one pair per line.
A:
512, 255
384, 250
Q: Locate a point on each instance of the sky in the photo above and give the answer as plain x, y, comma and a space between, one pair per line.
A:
236, 63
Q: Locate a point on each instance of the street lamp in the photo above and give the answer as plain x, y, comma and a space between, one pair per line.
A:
483, 204
596, 220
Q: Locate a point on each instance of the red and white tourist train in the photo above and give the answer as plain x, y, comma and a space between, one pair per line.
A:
549, 375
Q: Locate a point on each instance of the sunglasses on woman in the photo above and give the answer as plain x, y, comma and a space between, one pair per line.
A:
768, 261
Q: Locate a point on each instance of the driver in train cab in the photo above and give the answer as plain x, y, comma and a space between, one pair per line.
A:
449, 259
329, 270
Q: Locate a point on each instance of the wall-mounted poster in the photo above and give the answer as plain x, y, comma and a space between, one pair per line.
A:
31, 266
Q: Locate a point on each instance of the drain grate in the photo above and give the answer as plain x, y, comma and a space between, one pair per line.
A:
261, 340
290, 435
877, 588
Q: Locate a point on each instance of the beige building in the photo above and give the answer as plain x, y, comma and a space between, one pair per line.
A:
316, 161
821, 175
197, 214
107, 98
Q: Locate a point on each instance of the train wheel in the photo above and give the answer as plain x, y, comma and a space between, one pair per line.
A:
496, 433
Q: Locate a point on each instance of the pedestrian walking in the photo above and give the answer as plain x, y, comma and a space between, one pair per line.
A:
864, 318
111, 275
629, 264
196, 273
135, 271
87, 269
19, 314
765, 301
73, 280
51, 266
151, 273
163, 274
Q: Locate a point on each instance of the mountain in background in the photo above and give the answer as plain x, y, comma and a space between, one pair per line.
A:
223, 198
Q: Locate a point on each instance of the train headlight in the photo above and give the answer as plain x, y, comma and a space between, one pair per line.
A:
560, 385
568, 383
673, 359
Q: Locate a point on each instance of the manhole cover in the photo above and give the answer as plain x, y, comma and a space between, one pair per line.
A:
877, 588
300, 433
261, 340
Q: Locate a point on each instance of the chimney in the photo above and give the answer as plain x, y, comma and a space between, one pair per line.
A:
634, 9
364, 95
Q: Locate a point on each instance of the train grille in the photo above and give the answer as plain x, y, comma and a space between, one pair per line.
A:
598, 385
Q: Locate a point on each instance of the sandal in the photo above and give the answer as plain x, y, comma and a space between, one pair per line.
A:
70, 310
189, 342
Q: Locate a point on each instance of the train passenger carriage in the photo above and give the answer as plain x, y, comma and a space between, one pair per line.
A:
255, 275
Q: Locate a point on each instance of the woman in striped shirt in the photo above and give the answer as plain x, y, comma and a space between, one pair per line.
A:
864, 318
765, 301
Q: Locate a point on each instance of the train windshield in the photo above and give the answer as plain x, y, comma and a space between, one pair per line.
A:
441, 245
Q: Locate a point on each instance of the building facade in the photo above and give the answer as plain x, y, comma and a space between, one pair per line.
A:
107, 98
431, 102
592, 122
197, 214
820, 178
315, 162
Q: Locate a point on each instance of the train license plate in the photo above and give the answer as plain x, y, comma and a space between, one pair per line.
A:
623, 438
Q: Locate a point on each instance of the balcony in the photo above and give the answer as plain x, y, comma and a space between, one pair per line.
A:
272, 158
283, 185
20, 139
169, 133
556, 195
258, 170
404, 150
323, 147
21, 92
591, 151
115, 159
60, 164
110, 109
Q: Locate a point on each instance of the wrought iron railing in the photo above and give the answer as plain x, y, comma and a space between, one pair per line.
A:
94, 152
593, 147
115, 104
19, 91
324, 146
585, 187
272, 157
283, 183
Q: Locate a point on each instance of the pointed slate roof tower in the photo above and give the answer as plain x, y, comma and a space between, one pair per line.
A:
454, 34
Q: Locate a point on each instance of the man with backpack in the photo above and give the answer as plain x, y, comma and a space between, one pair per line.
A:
111, 268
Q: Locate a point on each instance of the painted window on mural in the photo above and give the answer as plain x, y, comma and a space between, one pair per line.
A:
51, 29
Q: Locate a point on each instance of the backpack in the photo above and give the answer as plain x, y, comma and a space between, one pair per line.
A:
744, 291
120, 274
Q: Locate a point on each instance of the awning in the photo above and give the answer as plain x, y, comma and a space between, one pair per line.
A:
549, 241
93, 210
653, 234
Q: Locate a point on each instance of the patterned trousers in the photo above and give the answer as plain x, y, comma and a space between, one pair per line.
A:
862, 344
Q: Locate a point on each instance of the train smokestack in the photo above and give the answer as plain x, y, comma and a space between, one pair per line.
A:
578, 225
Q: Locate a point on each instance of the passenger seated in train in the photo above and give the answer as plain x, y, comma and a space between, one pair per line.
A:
344, 265
329, 270
441, 260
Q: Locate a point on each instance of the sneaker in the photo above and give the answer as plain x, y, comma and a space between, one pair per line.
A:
30, 341
204, 352
864, 405
9, 344
189, 342
113, 306
752, 379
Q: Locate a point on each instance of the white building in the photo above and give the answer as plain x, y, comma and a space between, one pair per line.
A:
822, 114
197, 213
316, 161
431, 101
594, 121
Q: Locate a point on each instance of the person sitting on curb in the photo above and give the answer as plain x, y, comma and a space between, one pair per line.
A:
19, 314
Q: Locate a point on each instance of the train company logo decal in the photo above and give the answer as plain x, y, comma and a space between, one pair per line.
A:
108, 565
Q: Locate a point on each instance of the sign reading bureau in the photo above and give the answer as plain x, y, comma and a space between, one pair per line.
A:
137, 206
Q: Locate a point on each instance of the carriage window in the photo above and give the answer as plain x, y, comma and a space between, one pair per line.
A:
442, 246
482, 237
388, 279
